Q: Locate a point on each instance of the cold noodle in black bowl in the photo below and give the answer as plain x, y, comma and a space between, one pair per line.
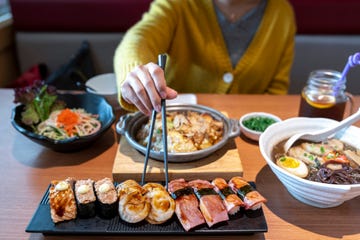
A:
89, 103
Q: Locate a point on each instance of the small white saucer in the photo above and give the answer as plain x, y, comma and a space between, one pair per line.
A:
183, 98
103, 84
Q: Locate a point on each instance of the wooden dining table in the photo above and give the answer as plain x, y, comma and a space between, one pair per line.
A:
27, 168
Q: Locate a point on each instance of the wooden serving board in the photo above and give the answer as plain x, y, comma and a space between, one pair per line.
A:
129, 164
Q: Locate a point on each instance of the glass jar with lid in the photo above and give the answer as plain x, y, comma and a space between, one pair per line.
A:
324, 95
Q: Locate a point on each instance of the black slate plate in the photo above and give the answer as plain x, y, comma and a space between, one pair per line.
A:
244, 222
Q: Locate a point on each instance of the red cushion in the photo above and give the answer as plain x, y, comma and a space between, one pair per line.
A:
77, 15
327, 16
313, 16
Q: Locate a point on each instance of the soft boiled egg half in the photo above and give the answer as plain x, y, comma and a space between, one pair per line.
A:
293, 166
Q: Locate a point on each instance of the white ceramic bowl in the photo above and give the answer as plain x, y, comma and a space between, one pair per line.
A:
316, 194
104, 85
252, 134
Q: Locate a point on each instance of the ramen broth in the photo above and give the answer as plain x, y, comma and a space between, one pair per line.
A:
352, 169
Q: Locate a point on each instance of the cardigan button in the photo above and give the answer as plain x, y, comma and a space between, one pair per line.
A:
228, 77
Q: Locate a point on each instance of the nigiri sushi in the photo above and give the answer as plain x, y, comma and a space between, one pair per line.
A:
231, 201
211, 205
186, 204
252, 198
62, 200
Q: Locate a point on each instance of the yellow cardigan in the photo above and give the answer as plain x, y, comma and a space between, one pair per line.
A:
198, 61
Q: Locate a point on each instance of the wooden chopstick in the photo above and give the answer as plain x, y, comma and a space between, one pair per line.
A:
161, 62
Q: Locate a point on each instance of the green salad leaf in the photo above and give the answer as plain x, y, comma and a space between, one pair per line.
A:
39, 101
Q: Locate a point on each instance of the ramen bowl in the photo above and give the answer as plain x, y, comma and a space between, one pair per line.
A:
321, 195
89, 102
130, 124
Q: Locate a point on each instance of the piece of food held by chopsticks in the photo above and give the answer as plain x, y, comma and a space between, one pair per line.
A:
133, 205
150, 202
162, 205
194, 202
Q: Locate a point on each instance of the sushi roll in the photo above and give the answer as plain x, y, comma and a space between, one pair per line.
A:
85, 198
106, 198
62, 200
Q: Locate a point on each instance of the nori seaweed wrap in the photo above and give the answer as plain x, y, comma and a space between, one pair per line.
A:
85, 198
107, 198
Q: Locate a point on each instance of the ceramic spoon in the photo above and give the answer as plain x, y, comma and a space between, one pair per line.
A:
322, 134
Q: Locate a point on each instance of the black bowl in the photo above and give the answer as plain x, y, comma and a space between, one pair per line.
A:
90, 102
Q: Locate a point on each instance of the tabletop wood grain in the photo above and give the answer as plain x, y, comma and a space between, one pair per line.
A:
26, 169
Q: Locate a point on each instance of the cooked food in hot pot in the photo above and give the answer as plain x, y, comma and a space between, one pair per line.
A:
331, 161
187, 131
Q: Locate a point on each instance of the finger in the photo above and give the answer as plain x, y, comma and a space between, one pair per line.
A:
171, 93
133, 92
149, 84
157, 74
129, 96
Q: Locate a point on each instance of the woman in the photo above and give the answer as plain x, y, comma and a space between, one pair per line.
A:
213, 46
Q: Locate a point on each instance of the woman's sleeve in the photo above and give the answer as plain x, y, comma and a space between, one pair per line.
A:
143, 42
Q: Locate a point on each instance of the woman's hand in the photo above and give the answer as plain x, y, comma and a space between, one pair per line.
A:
145, 86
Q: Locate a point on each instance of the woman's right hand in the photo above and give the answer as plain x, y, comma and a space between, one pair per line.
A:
145, 86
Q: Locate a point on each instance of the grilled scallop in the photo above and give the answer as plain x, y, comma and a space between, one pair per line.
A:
133, 205
162, 205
